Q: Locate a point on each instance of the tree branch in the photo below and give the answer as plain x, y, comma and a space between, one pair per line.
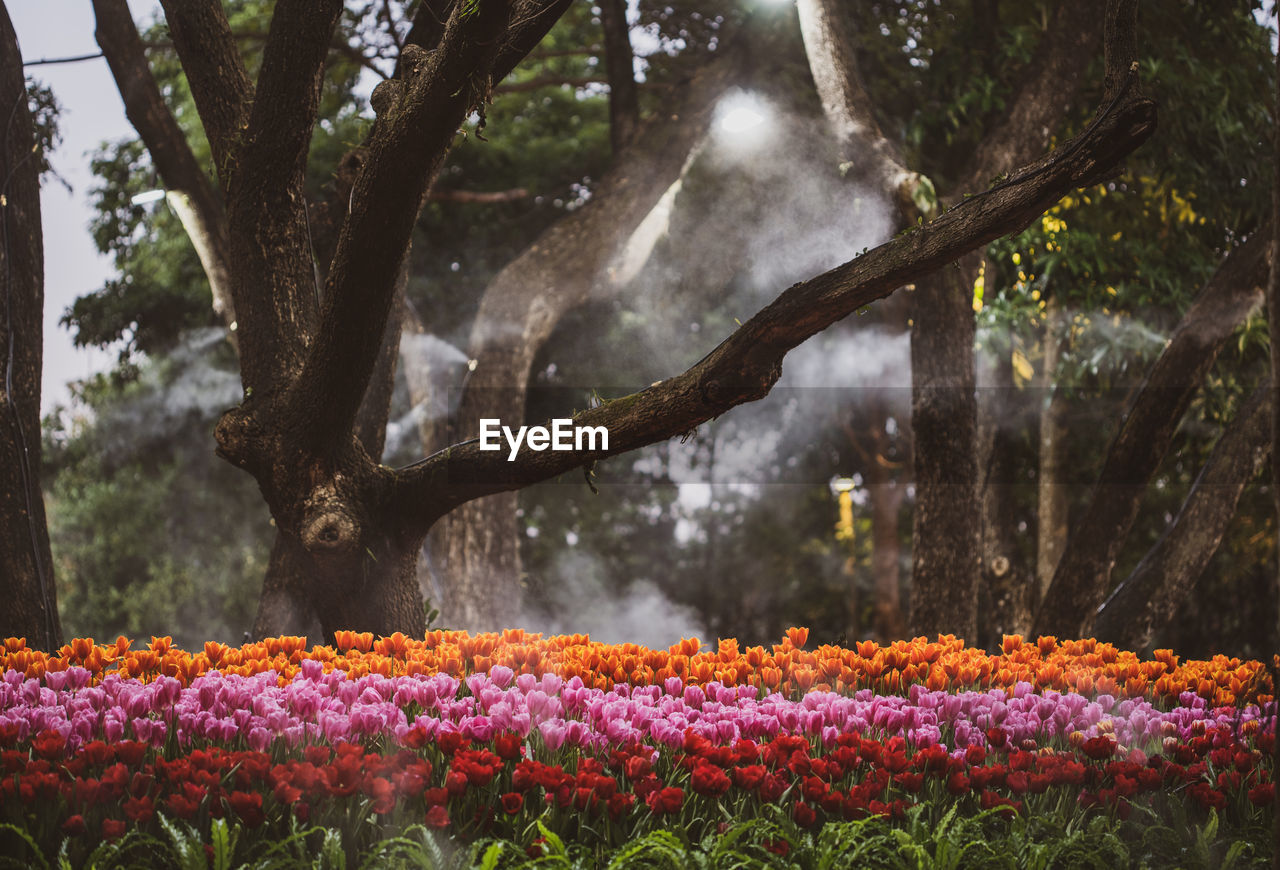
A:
416, 126
1083, 574
274, 289
193, 195
215, 72
829, 40
530, 21
1149, 598
745, 366
1044, 101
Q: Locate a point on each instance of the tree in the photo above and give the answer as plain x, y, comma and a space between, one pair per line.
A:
350, 526
946, 570
31, 607
946, 557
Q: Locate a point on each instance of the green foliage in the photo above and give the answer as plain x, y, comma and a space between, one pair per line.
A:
161, 291
45, 109
153, 534
953, 841
552, 142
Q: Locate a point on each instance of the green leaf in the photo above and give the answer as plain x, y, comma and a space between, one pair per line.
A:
332, 857
186, 843
491, 856
554, 844
36, 852
221, 840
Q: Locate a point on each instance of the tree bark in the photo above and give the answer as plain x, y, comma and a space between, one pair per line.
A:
885, 496
1005, 571
619, 63
1082, 578
26, 580
946, 557
215, 73
1052, 491
1149, 598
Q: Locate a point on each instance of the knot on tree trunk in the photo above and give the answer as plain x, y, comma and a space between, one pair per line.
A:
239, 438
328, 525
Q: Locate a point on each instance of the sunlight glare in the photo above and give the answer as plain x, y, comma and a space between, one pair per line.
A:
743, 120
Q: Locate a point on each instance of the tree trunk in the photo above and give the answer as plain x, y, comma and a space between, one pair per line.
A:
945, 549
619, 61
285, 605
885, 496
481, 576
26, 565
1082, 578
1052, 491
945, 541
1004, 569
1150, 597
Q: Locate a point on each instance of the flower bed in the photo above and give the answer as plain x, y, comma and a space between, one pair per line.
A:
281, 744
1082, 666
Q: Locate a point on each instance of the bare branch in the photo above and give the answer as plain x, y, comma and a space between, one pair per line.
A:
428, 25
190, 190
745, 366
49, 60
1083, 574
1150, 597
214, 70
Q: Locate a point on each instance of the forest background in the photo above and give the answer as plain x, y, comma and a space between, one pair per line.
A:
797, 509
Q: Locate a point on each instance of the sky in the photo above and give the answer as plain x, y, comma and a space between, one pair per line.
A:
92, 113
